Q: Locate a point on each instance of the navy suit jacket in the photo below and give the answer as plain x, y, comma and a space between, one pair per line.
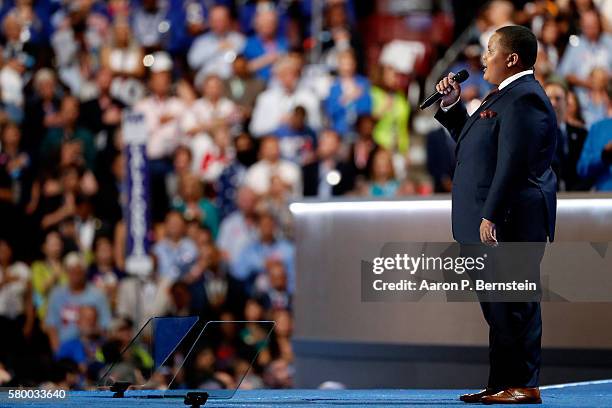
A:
503, 171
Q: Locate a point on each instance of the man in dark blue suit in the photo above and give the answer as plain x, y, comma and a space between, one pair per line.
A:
504, 190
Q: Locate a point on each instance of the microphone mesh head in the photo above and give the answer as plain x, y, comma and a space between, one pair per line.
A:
461, 76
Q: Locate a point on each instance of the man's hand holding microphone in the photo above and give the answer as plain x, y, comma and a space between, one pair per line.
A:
447, 89
450, 90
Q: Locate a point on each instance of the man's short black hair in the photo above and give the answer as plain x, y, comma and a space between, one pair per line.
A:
520, 40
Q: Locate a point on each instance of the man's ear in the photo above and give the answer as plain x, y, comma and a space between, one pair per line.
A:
512, 60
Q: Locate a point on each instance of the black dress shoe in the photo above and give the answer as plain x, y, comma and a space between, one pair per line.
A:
476, 397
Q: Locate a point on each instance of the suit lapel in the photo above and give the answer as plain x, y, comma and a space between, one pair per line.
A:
489, 102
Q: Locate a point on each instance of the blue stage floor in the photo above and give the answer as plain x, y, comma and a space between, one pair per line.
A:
577, 395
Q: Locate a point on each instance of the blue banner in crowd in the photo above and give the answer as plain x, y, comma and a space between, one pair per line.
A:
137, 209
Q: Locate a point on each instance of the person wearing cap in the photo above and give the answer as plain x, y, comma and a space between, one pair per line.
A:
66, 300
161, 109
162, 113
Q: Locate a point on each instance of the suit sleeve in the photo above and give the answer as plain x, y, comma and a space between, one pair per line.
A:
522, 132
453, 120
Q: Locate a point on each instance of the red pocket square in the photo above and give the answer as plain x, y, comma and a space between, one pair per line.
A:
488, 113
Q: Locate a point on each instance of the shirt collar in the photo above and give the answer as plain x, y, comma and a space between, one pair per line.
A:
513, 78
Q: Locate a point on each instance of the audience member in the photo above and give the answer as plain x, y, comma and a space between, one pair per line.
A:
382, 177
214, 51
239, 228
242, 87
391, 110
274, 105
66, 300
297, 140
48, 272
348, 97
192, 204
85, 348
162, 113
14, 283
265, 47
175, 253
593, 48
252, 260
596, 157
569, 143
259, 175
103, 272
329, 175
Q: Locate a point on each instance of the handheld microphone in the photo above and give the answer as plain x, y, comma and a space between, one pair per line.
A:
434, 97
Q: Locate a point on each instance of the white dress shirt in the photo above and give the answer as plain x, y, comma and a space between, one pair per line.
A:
12, 294
203, 112
163, 138
259, 176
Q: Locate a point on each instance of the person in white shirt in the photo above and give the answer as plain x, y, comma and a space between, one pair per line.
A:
212, 154
259, 175
14, 281
207, 126
274, 106
162, 115
211, 110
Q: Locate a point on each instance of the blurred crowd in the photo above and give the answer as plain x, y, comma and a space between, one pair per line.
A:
246, 109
